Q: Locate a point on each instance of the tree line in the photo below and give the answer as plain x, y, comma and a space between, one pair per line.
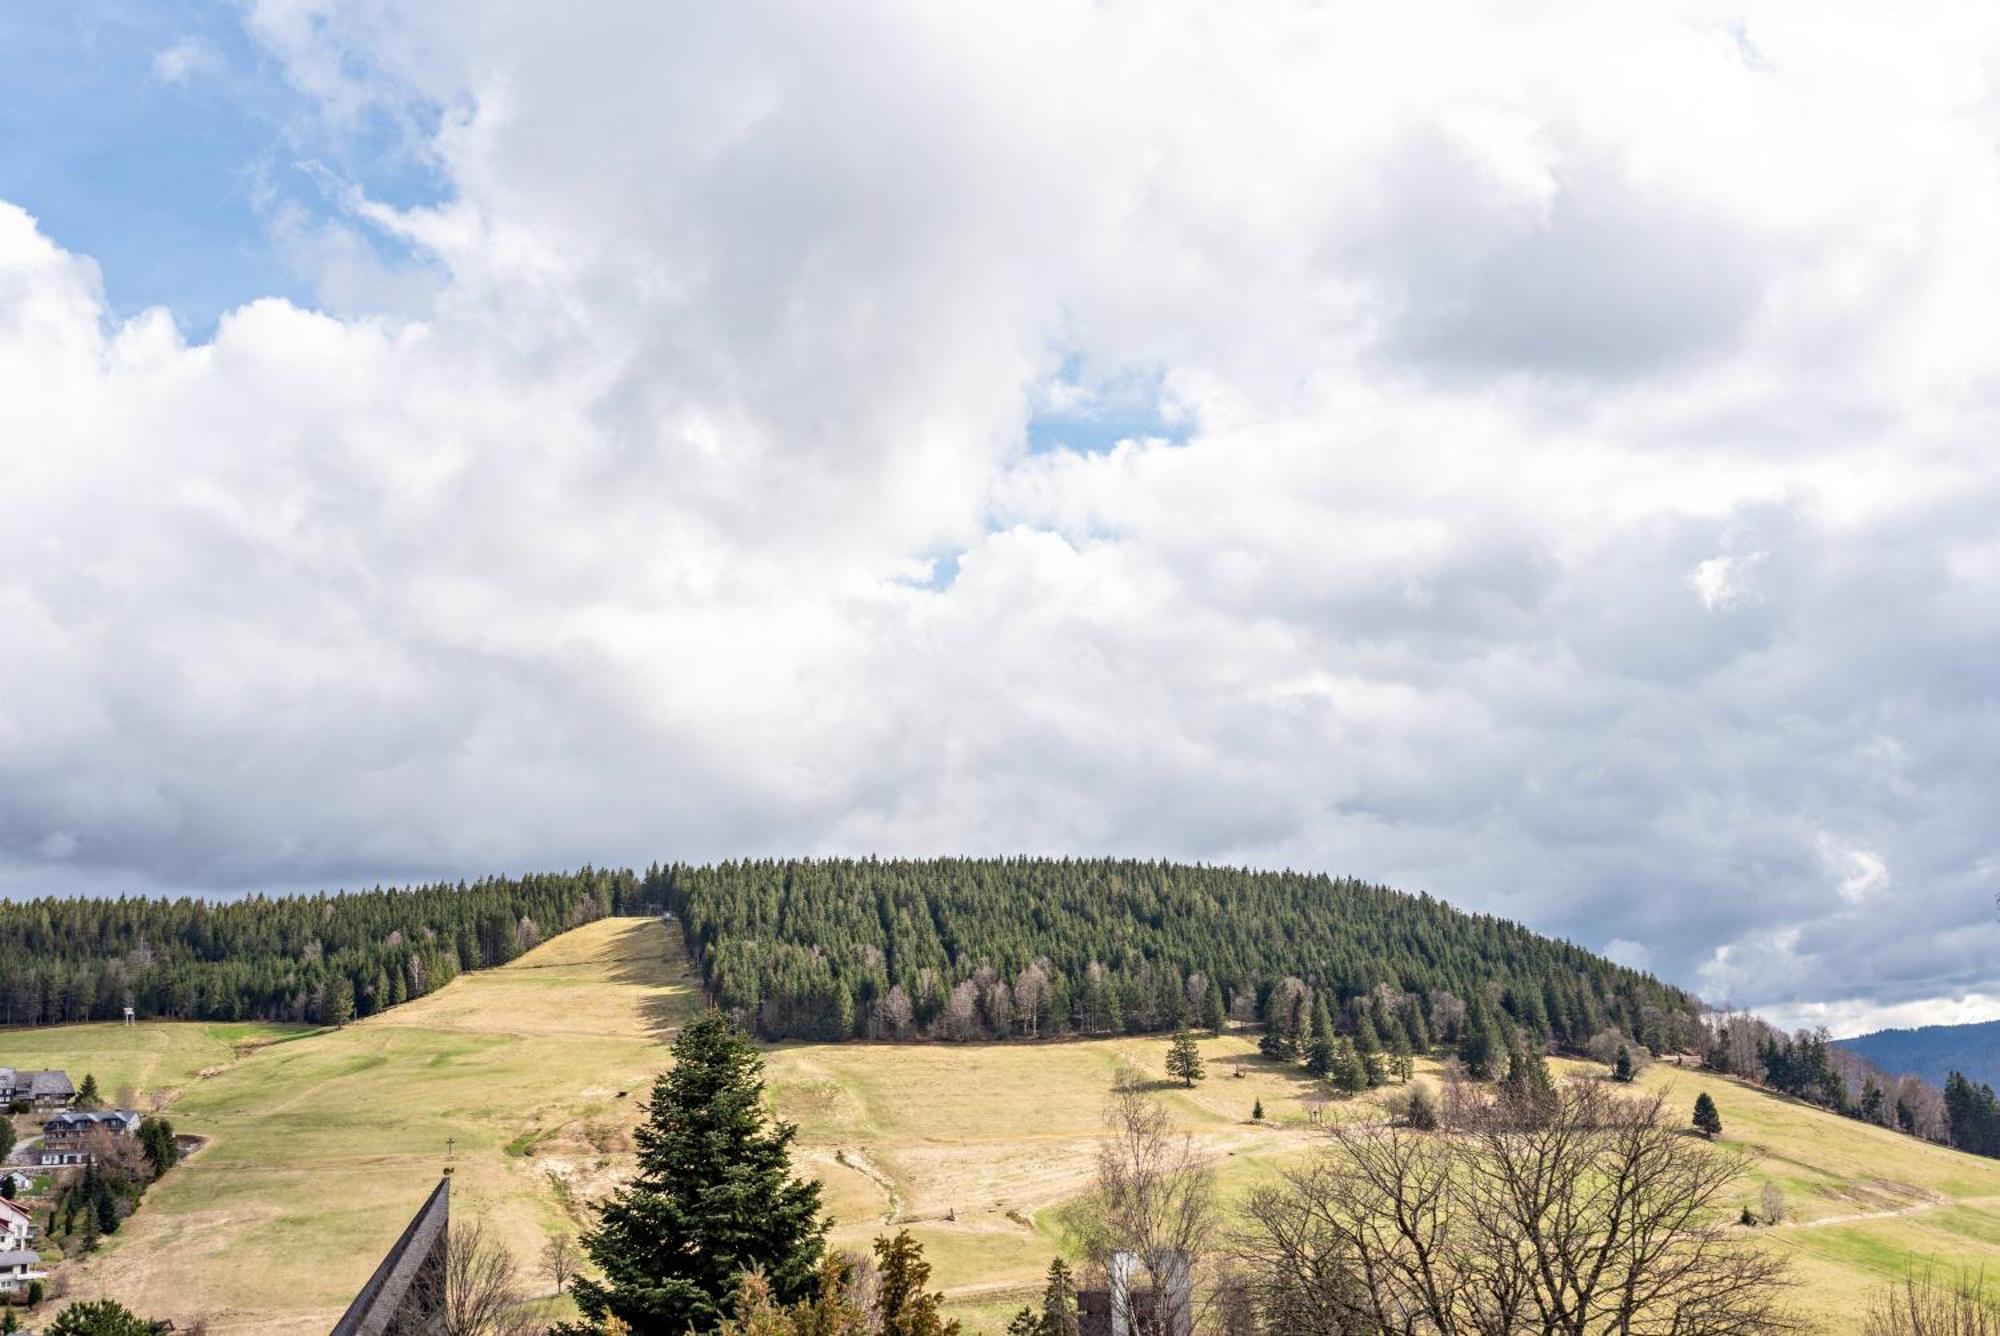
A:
321, 959
960, 949
1808, 1065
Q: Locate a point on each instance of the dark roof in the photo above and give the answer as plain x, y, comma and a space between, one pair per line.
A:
39, 1084
74, 1118
20, 1256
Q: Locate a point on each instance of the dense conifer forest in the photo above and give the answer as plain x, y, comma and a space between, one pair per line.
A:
971, 948
323, 959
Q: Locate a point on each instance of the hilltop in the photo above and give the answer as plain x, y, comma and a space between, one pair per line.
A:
323, 1141
1935, 1051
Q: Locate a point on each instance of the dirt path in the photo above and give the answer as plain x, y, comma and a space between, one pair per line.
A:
1931, 1202
858, 1161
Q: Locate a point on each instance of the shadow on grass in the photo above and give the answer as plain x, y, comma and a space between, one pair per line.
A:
637, 955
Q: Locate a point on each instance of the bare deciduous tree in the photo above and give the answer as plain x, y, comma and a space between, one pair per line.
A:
476, 1292
1925, 1304
560, 1259
1031, 998
1600, 1217
1154, 1198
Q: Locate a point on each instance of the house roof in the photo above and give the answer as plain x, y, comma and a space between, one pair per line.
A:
75, 1118
41, 1084
20, 1257
16, 1208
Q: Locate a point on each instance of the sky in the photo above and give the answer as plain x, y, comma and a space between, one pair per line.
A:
1544, 459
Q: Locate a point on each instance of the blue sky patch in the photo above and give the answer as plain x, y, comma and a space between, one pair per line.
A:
162, 141
1074, 411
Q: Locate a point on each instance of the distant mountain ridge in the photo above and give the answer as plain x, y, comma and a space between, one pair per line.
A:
1935, 1051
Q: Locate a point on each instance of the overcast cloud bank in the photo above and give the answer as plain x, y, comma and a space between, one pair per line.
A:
1569, 486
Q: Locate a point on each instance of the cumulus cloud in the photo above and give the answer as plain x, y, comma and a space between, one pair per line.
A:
1579, 504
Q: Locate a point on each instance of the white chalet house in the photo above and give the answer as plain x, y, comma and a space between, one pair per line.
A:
19, 1264
15, 1224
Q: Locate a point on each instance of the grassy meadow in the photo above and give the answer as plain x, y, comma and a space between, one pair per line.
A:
321, 1143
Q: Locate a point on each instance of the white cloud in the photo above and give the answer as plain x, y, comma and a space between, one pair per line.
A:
1859, 873
1726, 582
1513, 355
184, 61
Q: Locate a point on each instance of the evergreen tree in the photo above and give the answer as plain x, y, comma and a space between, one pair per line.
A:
902, 1304
6, 1136
87, 1097
1348, 1073
1873, 1101
1480, 1048
1319, 1058
1707, 1118
832, 1310
1400, 1059
1622, 1069
99, 1317
1369, 1049
1184, 1058
1257, 1110
1213, 1017
1527, 1087
1059, 1316
339, 1000
1420, 1032
156, 1142
713, 1197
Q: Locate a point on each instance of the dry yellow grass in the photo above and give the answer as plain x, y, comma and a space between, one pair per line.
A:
321, 1147
324, 1142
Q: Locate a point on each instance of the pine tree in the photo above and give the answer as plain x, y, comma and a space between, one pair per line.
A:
99, 1317
831, 1311
1369, 1049
713, 1197
1481, 1049
1622, 1071
1707, 1119
87, 1097
1213, 1017
1319, 1058
340, 1001
1527, 1088
902, 1303
1184, 1058
156, 1141
1059, 1316
1348, 1072
1257, 1111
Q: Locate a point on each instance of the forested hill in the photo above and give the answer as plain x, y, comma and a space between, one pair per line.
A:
320, 958
958, 948
1935, 1051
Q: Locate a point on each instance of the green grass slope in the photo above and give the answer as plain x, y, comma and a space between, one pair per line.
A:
323, 1142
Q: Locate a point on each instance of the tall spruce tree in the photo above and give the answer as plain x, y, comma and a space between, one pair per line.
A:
1481, 1048
1184, 1058
1059, 1311
1707, 1118
1213, 1017
714, 1197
